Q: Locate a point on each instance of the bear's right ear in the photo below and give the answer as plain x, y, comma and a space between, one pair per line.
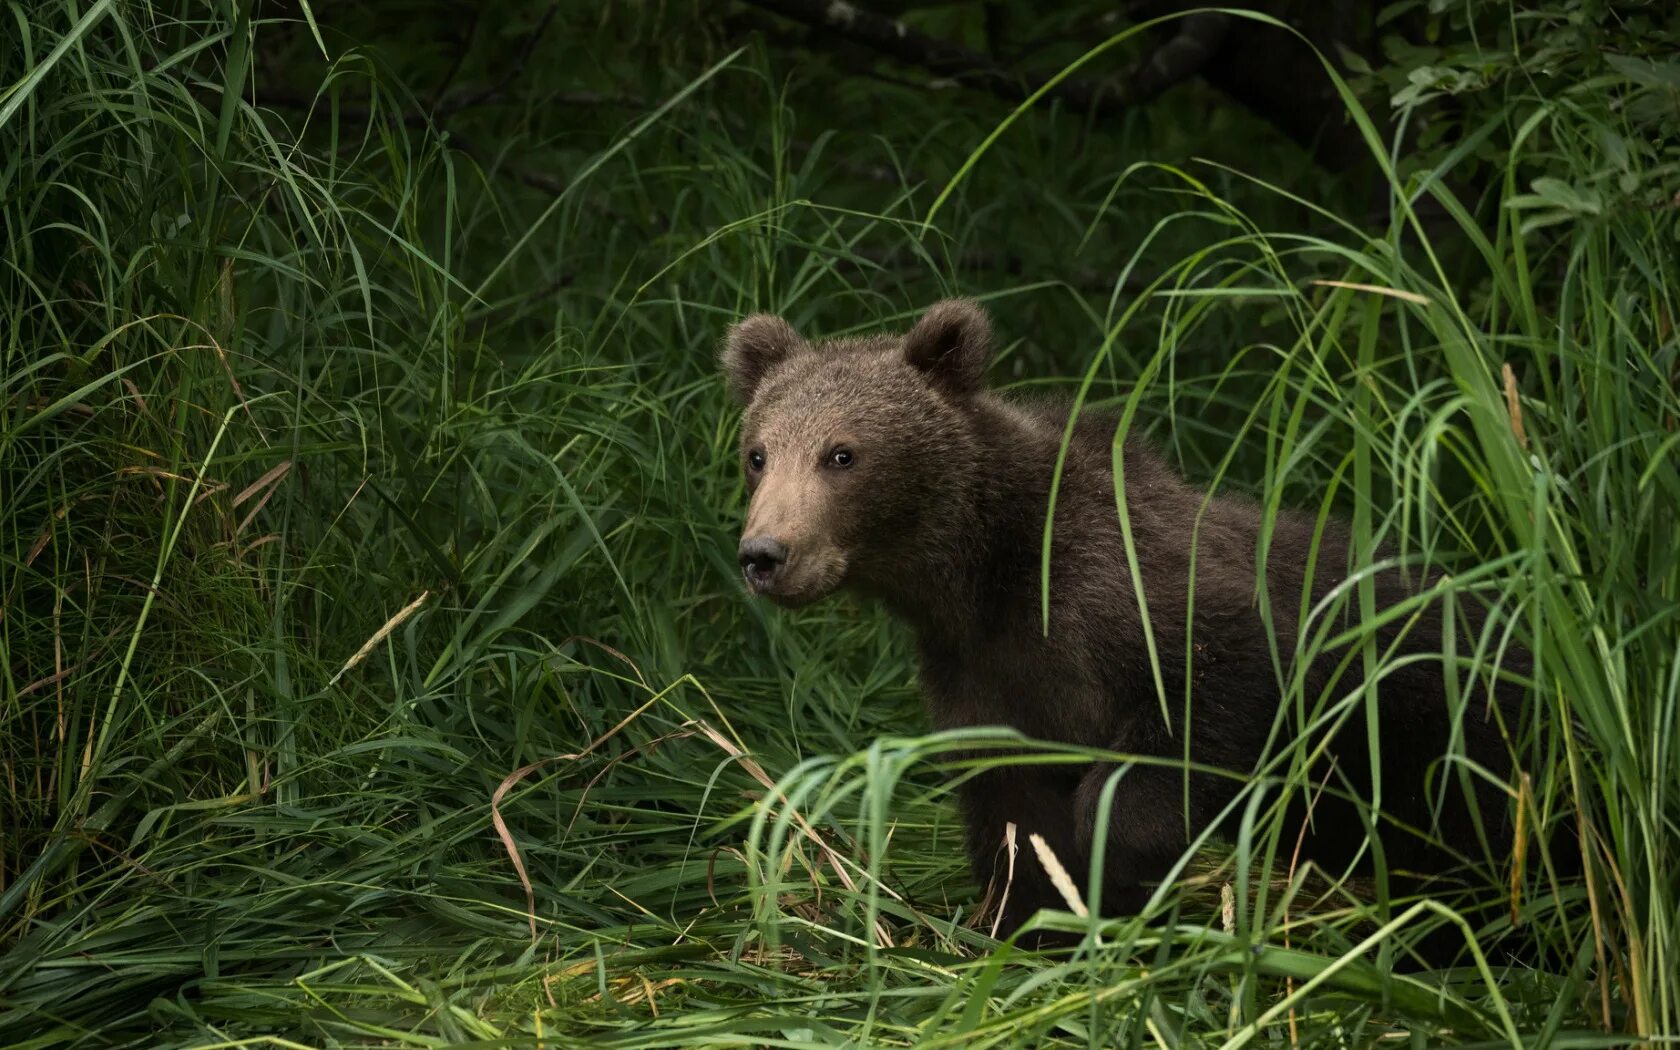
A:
951, 345
752, 348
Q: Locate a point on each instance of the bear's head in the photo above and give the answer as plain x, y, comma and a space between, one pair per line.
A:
859, 453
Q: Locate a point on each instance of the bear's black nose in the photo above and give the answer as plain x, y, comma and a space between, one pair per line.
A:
761, 556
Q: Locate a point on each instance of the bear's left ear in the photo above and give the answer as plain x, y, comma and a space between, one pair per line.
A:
754, 347
951, 345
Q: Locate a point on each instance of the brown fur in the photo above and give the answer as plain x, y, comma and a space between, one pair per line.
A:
940, 515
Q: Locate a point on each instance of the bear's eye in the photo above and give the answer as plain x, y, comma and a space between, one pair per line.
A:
840, 457
755, 460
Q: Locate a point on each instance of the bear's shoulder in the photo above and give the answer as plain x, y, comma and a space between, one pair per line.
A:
1094, 426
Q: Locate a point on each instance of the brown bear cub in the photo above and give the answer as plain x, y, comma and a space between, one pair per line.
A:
880, 464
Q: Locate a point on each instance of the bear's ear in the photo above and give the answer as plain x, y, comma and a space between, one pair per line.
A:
752, 348
951, 345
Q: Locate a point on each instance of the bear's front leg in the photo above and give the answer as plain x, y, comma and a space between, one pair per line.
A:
1037, 801
1147, 828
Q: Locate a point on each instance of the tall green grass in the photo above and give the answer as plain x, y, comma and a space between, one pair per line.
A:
376, 671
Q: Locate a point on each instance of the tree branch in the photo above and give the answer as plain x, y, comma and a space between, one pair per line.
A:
1184, 55
527, 46
1109, 96
941, 57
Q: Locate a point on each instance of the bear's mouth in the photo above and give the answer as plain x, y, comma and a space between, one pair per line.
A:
791, 600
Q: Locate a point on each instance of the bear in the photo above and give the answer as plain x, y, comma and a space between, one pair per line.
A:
882, 465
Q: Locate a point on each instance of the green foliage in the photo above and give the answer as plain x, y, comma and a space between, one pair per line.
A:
367, 502
1593, 84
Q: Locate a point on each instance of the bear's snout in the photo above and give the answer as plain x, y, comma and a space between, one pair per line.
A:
761, 558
